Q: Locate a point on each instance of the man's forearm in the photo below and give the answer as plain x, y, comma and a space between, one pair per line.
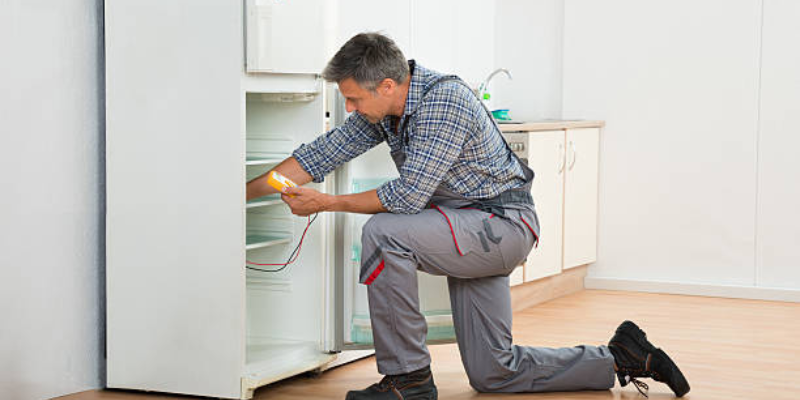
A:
289, 168
362, 203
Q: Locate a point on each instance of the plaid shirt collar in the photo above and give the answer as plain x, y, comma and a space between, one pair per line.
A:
415, 88
421, 78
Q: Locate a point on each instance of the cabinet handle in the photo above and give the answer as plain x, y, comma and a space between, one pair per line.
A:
561, 158
574, 154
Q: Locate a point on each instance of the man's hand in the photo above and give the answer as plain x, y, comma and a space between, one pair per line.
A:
306, 201
289, 168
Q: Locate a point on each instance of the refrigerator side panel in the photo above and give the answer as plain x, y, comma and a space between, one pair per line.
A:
175, 192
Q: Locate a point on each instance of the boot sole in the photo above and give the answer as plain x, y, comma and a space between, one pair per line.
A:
678, 384
434, 395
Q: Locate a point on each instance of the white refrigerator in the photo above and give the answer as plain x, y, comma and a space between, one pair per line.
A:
191, 115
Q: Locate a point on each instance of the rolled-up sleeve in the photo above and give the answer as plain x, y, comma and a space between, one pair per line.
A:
337, 147
437, 132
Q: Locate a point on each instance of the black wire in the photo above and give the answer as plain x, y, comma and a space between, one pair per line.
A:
286, 264
288, 261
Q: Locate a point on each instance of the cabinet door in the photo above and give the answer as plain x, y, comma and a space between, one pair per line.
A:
546, 158
517, 277
580, 197
356, 16
175, 195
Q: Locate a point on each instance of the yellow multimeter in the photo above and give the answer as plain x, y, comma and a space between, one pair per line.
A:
280, 182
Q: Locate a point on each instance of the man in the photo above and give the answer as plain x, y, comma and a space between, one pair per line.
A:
466, 197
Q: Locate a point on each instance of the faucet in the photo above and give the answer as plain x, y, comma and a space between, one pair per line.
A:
483, 93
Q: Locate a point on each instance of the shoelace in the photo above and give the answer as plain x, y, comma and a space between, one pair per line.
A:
390, 382
640, 386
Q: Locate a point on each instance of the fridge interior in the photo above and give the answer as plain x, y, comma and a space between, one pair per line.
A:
284, 306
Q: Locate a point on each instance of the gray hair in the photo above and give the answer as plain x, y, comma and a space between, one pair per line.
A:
368, 58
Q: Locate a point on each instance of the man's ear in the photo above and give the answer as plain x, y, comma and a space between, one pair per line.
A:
387, 86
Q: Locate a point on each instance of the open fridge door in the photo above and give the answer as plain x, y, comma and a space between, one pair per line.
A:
353, 328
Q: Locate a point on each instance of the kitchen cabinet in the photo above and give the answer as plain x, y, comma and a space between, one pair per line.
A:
517, 277
546, 158
186, 126
565, 192
450, 36
580, 196
357, 16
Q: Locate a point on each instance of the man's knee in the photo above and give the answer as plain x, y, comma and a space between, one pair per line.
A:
488, 375
480, 382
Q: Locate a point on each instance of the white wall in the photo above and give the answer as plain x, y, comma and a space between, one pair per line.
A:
528, 42
454, 37
679, 85
51, 202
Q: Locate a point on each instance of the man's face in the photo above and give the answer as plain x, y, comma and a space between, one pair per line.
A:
373, 105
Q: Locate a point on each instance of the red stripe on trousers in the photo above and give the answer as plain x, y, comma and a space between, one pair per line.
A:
534, 233
374, 274
451, 229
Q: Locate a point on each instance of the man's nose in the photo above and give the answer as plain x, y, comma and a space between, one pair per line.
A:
348, 105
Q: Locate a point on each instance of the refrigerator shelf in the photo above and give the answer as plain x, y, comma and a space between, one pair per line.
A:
280, 86
282, 97
260, 240
260, 160
270, 200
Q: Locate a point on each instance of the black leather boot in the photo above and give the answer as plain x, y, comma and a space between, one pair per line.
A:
635, 357
417, 385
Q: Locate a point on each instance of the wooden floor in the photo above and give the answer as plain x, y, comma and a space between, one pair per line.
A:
727, 348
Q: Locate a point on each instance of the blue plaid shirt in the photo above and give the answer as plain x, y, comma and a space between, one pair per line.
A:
446, 137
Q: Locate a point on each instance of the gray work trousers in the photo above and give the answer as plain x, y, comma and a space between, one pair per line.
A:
476, 251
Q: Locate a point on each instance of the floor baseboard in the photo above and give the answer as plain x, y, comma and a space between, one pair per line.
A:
728, 291
541, 290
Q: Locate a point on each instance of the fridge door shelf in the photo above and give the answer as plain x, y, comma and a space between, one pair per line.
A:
440, 328
261, 240
355, 331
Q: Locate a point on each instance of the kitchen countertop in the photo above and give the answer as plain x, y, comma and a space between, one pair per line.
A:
550, 125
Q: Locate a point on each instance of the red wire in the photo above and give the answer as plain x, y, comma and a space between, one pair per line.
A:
296, 255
